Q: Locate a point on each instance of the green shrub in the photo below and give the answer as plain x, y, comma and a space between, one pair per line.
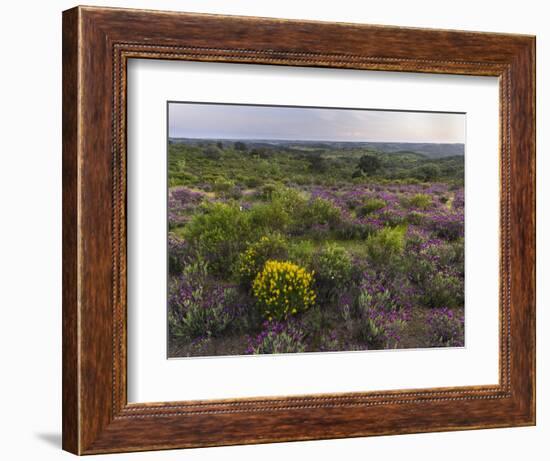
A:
267, 190
349, 229
212, 152
302, 180
177, 253
219, 233
333, 267
328, 342
391, 219
371, 205
416, 218
226, 189
318, 212
196, 310
386, 243
429, 172
425, 269
251, 262
293, 201
222, 185
448, 254
283, 289
211, 320
458, 257
290, 210
301, 252
285, 211
270, 217
252, 182
376, 323
314, 321
421, 201
445, 328
240, 146
277, 338
369, 164
443, 290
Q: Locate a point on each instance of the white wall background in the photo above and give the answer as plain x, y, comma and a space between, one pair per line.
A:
30, 227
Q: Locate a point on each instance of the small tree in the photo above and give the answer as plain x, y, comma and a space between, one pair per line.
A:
369, 164
212, 152
317, 163
240, 146
429, 172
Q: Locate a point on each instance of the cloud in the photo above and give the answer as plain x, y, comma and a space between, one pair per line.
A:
199, 120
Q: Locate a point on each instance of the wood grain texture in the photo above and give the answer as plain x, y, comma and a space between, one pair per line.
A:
70, 383
97, 43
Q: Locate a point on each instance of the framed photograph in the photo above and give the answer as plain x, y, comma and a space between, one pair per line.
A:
281, 230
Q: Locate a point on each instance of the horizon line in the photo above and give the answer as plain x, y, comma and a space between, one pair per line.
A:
311, 140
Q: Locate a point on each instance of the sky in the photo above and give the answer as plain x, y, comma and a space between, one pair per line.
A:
224, 121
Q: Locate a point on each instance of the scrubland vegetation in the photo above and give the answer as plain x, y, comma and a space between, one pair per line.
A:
295, 248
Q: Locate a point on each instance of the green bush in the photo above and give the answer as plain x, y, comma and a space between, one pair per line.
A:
251, 262
429, 172
198, 311
319, 211
386, 243
222, 185
177, 253
293, 201
416, 218
369, 164
377, 324
240, 146
445, 328
252, 182
329, 342
270, 217
219, 233
421, 201
212, 320
424, 268
458, 257
392, 219
443, 290
226, 189
301, 252
212, 152
448, 254
349, 229
333, 267
302, 180
314, 321
277, 338
267, 190
371, 205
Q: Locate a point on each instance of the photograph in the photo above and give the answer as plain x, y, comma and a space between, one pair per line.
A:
278, 225
308, 229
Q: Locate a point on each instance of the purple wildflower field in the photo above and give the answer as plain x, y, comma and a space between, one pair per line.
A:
260, 266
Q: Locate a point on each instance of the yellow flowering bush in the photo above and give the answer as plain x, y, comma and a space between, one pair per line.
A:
283, 289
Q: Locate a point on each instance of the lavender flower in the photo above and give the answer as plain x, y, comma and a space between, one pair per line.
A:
445, 329
277, 337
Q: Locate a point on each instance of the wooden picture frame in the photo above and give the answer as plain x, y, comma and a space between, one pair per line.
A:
97, 43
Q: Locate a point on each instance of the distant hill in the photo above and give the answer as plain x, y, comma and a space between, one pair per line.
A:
430, 150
